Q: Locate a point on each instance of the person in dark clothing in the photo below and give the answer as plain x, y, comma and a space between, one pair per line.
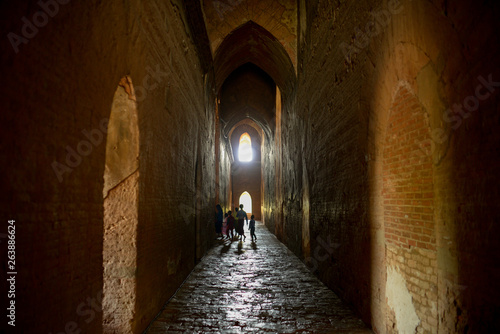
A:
236, 227
242, 216
219, 217
251, 228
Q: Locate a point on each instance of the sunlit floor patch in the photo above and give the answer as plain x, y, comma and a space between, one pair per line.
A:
240, 287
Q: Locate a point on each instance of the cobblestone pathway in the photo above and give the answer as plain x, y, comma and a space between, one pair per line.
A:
245, 287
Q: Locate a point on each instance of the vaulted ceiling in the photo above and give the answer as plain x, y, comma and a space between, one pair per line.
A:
248, 92
251, 45
279, 18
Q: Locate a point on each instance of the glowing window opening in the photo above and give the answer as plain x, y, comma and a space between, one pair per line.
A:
246, 200
245, 149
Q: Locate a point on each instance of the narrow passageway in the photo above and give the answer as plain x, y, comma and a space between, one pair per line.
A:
245, 287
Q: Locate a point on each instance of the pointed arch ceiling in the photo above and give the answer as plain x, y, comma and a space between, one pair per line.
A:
248, 93
251, 43
279, 17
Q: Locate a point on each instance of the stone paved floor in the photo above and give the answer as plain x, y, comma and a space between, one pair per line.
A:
245, 287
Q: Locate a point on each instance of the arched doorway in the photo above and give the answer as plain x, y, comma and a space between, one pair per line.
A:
408, 195
120, 193
246, 200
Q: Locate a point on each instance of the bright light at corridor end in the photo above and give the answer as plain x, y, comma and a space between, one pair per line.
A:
246, 200
245, 149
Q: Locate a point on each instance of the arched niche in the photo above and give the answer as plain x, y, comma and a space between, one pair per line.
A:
121, 194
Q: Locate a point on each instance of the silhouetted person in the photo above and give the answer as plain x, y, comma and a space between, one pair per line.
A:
241, 215
236, 228
219, 216
251, 228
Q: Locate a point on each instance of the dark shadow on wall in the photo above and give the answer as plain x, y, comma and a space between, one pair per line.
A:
475, 212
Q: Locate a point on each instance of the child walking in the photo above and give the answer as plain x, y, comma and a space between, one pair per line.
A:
251, 228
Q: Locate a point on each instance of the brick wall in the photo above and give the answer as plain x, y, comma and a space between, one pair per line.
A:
414, 210
410, 235
332, 130
225, 176
62, 82
269, 182
408, 184
331, 118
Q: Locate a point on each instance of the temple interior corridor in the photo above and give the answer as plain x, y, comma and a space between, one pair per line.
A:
363, 136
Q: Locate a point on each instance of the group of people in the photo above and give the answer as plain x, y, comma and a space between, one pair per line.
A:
225, 224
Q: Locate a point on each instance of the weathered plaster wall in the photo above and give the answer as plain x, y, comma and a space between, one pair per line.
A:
62, 82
